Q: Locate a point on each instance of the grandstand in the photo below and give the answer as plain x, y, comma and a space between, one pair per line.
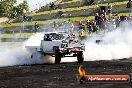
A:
75, 10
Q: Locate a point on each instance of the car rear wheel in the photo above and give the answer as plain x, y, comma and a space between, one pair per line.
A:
57, 57
80, 57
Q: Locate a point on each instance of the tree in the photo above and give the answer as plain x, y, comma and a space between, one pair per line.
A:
18, 10
1, 9
8, 6
24, 6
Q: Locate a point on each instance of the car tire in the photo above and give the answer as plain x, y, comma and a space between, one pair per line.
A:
57, 57
80, 57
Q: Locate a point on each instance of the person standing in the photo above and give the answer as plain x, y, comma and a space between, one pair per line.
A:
109, 9
36, 27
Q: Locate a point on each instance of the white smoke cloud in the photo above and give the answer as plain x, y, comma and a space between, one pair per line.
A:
22, 56
116, 44
17, 56
34, 40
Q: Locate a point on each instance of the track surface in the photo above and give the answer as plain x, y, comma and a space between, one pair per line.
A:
63, 75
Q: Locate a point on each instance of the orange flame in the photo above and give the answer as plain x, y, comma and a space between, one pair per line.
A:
81, 71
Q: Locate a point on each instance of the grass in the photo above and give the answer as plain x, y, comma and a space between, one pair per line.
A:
64, 10
44, 22
81, 18
27, 35
17, 35
21, 24
77, 8
72, 1
11, 43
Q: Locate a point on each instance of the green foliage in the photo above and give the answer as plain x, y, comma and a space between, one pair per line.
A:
1, 9
8, 6
81, 18
71, 1
24, 6
77, 8
8, 9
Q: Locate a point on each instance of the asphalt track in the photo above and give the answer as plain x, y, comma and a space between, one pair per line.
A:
62, 75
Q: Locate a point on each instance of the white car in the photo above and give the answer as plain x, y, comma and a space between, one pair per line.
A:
60, 45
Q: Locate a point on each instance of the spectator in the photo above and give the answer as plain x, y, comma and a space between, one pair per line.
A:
109, 9
54, 24
102, 10
97, 18
122, 18
129, 4
29, 18
101, 17
36, 27
59, 14
91, 26
24, 18
88, 27
81, 34
87, 23
118, 21
94, 27
104, 14
81, 26
52, 5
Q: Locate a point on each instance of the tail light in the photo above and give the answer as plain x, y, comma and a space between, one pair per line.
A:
74, 49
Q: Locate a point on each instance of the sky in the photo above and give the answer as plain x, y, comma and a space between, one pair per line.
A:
35, 4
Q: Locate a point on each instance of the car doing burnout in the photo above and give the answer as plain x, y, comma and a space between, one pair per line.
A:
59, 45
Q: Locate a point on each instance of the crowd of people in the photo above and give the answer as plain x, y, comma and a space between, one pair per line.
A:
104, 19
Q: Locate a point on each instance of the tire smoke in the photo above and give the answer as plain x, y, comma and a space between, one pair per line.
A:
116, 44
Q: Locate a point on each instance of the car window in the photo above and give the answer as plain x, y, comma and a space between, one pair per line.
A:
57, 36
54, 36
